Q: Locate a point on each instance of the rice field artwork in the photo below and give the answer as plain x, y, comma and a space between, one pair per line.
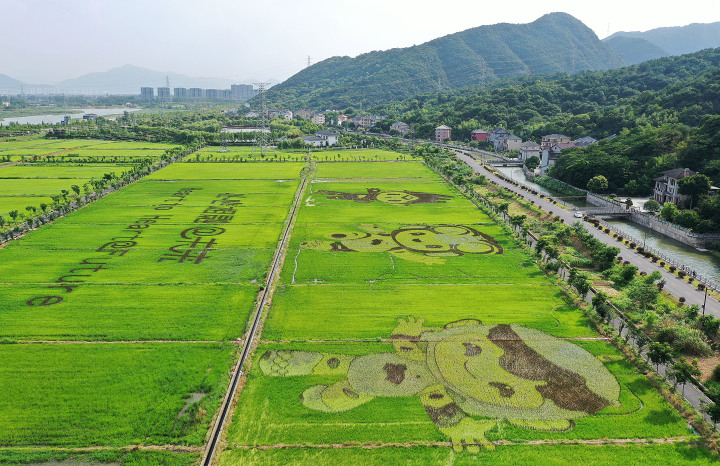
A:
468, 376
420, 243
403, 197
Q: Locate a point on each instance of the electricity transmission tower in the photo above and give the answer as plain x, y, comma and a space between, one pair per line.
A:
262, 141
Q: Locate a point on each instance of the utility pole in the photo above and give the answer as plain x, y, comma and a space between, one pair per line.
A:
262, 138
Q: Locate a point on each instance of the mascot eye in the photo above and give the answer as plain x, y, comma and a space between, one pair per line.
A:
339, 235
421, 233
375, 242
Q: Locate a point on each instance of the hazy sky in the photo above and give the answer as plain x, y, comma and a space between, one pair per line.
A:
46, 41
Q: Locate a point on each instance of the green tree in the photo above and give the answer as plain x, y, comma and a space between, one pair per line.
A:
659, 353
687, 219
75, 188
694, 186
643, 293
597, 184
669, 211
683, 372
652, 206
532, 163
13, 215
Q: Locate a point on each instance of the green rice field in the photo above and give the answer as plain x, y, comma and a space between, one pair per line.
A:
406, 326
387, 264
121, 321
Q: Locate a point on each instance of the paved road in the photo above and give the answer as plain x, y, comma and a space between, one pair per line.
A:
675, 285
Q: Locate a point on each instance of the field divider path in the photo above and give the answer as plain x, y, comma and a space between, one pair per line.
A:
375, 445
250, 340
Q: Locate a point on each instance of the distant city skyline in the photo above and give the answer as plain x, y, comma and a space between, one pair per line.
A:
247, 41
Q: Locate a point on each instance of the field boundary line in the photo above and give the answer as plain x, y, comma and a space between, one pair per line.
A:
420, 443
247, 347
177, 448
115, 342
389, 340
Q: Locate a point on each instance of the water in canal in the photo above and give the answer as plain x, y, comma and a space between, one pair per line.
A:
704, 263
55, 119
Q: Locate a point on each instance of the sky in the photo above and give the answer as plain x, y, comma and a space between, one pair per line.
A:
46, 41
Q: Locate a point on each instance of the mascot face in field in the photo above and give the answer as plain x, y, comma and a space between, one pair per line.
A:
387, 197
412, 242
461, 372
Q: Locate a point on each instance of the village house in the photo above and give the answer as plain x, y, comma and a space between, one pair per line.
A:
529, 149
442, 133
318, 119
303, 113
511, 142
342, 119
401, 127
552, 139
496, 136
330, 138
479, 135
314, 141
585, 141
666, 186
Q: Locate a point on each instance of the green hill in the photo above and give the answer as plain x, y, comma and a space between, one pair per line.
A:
556, 42
635, 50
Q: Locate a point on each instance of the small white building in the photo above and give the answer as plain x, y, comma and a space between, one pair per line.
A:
330, 138
314, 141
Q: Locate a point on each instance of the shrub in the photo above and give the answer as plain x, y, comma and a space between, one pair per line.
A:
681, 273
662, 263
673, 268
681, 299
632, 245
715, 375
701, 286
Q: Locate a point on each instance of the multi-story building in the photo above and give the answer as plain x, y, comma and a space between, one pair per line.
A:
529, 149
329, 137
212, 93
180, 93
163, 93
511, 142
552, 139
666, 186
147, 93
401, 127
242, 91
442, 133
318, 119
196, 93
479, 135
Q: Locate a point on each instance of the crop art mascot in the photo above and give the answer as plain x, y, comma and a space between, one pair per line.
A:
467, 375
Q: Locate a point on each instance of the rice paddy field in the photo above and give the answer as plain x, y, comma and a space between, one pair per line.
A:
328, 154
120, 322
405, 326
409, 327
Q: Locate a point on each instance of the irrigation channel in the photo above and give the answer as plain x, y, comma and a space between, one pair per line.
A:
705, 264
248, 343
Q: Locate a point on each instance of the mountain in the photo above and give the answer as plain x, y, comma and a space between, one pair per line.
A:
678, 40
635, 50
128, 79
9, 84
556, 42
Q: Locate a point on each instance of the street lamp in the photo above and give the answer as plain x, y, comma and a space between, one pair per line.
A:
705, 301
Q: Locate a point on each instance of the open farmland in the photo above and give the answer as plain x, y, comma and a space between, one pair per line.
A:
407, 326
327, 154
121, 321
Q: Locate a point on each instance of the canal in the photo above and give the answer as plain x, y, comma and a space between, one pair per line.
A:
704, 264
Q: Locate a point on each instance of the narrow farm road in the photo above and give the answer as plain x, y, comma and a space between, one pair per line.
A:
675, 285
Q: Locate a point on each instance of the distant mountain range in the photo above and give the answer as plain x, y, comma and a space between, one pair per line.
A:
122, 80
556, 42
636, 47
